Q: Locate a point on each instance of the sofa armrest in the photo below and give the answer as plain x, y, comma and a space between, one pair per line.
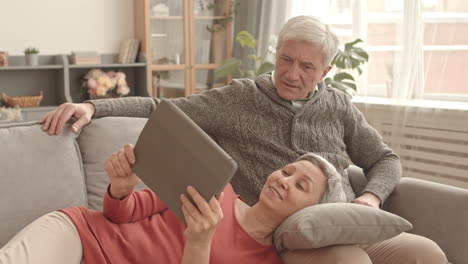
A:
437, 211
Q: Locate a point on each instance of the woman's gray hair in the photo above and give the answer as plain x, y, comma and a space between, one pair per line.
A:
334, 192
312, 30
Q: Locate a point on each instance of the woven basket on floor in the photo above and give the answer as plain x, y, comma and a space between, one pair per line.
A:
22, 101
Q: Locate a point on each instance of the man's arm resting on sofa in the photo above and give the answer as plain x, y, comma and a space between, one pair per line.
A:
437, 211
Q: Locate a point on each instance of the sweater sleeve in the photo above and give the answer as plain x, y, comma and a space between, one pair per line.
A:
203, 108
134, 207
212, 109
366, 149
126, 106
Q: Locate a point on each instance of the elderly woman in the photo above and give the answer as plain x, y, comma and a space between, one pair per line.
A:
137, 227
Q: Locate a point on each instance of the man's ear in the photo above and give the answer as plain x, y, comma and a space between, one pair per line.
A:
325, 71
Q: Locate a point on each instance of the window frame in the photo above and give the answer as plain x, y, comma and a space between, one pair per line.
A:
359, 19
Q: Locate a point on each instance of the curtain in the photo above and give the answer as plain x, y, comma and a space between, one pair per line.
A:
262, 19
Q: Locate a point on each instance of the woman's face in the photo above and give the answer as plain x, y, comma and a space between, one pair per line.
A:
294, 187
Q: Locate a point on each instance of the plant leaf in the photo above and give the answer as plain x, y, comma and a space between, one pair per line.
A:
255, 58
361, 53
339, 60
350, 45
342, 81
349, 85
249, 74
228, 67
265, 67
343, 76
246, 39
351, 57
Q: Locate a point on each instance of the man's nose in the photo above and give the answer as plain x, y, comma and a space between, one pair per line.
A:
293, 72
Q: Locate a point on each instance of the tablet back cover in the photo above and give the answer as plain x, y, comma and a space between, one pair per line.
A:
173, 152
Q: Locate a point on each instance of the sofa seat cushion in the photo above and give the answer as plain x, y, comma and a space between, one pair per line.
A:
39, 174
97, 141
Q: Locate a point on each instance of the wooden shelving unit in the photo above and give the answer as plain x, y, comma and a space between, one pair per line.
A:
61, 81
182, 54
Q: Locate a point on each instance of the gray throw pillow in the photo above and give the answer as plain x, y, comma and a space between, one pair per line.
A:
38, 174
98, 140
337, 224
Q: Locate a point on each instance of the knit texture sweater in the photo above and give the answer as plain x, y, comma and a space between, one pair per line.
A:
263, 132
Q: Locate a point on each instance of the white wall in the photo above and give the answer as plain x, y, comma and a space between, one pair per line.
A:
62, 26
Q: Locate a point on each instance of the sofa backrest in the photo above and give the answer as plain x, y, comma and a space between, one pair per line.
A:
38, 174
41, 173
97, 141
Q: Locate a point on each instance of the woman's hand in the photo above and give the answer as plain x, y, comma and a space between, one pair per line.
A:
121, 176
201, 219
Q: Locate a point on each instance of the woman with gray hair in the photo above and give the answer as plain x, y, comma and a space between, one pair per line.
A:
137, 227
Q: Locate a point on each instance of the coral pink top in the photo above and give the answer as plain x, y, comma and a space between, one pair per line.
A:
143, 230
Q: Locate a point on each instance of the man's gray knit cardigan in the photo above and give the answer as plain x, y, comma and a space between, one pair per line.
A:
263, 132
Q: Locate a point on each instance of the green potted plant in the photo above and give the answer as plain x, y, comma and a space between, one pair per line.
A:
216, 8
233, 66
346, 62
32, 57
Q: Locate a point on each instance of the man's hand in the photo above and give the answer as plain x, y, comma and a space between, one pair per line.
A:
55, 120
368, 199
121, 176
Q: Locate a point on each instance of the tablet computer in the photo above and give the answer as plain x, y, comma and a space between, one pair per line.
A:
173, 152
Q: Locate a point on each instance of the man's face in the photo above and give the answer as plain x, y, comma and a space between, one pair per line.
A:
294, 187
299, 67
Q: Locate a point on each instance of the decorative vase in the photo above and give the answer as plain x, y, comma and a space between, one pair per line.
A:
32, 59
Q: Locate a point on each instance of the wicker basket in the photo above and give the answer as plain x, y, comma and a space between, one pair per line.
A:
22, 101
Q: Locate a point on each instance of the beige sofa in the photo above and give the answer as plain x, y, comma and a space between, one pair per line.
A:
41, 173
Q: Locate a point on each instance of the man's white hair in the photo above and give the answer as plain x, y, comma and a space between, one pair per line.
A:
312, 30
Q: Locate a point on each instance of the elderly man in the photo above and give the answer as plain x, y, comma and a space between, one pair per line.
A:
273, 120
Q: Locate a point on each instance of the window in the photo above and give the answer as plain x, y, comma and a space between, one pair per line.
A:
419, 46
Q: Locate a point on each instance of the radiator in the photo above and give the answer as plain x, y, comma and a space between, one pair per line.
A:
432, 143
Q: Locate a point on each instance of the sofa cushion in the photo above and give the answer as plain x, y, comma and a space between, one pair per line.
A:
39, 174
97, 141
337, 224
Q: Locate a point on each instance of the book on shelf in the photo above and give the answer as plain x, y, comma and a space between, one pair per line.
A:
128, 50
85, 57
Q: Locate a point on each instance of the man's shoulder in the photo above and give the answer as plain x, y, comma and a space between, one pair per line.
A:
243, 82
335, 95
332, 90
239, 86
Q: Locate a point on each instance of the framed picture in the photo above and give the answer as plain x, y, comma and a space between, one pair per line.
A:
3, 58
